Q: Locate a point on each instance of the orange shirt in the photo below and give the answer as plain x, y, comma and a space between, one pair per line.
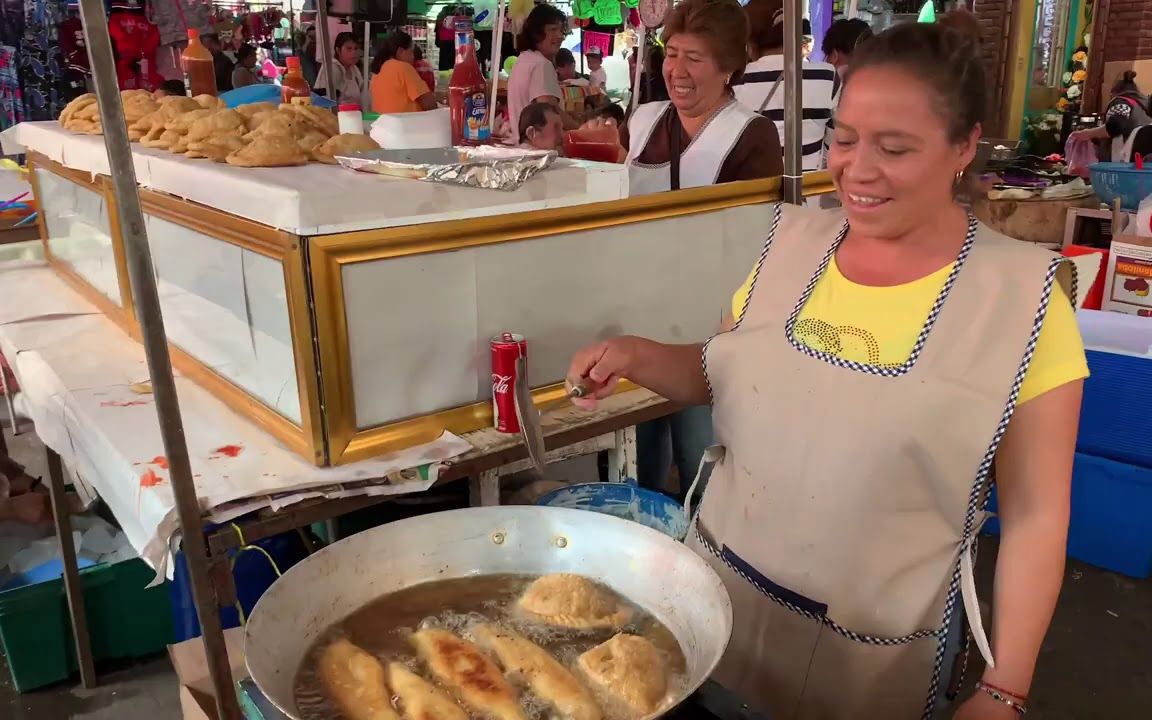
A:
396, 88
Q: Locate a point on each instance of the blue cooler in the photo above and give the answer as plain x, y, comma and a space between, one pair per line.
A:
1115, 421
623, 500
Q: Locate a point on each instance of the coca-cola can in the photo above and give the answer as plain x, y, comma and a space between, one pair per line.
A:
506, 349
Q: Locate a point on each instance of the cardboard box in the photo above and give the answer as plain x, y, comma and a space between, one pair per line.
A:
1128, 284
197, 700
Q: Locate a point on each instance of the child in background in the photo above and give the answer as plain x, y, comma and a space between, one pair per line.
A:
170, 87
424, 68
597, 76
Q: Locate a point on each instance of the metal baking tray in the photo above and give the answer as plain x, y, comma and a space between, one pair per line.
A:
491, 168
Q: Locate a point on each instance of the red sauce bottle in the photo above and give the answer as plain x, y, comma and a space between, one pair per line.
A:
468, 102
293, 83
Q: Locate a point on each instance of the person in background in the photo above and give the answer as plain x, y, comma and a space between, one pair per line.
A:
533, 77
171, 87
245, 72
396, 87
612, 112
308, 65
597, 76
566, 67
702, 136
268, 69
1127, 121
841, 516
345, 82
652, 86
806, 39
841, 40
424, 68
220, 62
763, 86
541, 127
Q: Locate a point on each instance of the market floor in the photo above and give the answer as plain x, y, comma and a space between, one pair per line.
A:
1096, 663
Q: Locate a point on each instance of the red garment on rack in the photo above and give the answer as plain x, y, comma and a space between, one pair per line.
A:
73, 46
135, 40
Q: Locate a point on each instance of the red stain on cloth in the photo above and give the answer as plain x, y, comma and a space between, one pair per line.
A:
160, 461
229, 450
150, 479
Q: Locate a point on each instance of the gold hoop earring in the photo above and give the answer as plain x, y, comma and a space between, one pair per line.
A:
959, 178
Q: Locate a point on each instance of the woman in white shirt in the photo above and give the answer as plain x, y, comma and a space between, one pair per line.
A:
533, 77
344, 74
763, 86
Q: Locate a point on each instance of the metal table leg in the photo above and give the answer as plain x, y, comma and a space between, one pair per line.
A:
72, 588
484, 491
622, 458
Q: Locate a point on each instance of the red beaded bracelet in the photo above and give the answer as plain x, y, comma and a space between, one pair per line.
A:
1011, 699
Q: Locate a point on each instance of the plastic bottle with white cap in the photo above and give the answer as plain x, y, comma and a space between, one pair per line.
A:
350, 118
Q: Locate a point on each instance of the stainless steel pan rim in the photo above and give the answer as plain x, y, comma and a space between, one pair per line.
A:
663, 576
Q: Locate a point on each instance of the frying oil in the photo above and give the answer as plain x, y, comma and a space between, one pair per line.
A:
383, 627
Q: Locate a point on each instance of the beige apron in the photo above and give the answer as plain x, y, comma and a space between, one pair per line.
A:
848, 495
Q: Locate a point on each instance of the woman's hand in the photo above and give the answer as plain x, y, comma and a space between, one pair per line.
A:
983, 707
599, 367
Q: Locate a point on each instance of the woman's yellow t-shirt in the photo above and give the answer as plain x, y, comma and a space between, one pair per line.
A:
880, 325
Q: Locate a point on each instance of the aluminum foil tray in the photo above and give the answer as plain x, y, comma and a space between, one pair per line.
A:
492, 168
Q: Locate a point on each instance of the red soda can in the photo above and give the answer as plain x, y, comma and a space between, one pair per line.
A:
506, 349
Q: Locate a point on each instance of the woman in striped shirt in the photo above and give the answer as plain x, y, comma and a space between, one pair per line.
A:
763, 88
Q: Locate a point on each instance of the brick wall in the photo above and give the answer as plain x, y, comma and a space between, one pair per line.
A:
1129, 30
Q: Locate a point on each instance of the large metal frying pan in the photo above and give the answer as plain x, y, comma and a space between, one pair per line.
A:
658, 573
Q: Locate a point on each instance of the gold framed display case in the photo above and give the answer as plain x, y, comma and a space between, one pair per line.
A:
346, 346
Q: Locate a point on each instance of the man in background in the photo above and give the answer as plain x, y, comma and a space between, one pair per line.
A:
220, 62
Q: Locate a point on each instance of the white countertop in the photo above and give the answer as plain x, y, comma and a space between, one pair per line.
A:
321, 199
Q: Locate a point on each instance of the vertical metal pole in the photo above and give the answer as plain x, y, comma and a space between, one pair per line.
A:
497, 53
367, 57
140, 271
73, 590
326, 50
793, 185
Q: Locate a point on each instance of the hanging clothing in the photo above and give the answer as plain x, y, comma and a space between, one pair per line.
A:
736, 144
11, 96
841, 520
135, 41
174, 18
41, 74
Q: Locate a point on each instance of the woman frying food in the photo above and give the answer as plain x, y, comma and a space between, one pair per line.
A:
884, 364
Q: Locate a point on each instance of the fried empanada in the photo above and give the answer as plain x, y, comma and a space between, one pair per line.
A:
470, 673
217, 148
319, 118
173, 105
182, 122
311, 140
535, 667
71, 108
354, 681
420, 699
343, 145
219, 122
255, 108
269, 151
630, 670
573, 601
209, 102
164, 140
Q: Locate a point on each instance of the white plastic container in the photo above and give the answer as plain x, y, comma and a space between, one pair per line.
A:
351, 120
413, 131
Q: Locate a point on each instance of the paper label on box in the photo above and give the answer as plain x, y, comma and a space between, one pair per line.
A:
1131, 281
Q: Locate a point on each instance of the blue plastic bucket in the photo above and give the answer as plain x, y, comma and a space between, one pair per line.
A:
623, 500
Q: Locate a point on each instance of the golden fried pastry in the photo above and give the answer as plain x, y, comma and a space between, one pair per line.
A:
269, 151
71, 108
534, 666
354, 681
469, 673
420, 699
255, 108
183, 122
281, 122
311, 140
343, 145
572, 601
319, 118
216, 148
217, 122
630, 670
162, 140
173, 105
209, 102
137, 107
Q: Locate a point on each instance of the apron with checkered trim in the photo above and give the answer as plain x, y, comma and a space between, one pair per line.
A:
842, 514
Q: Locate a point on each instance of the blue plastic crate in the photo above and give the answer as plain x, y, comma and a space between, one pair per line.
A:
1114, 422
1111, 525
